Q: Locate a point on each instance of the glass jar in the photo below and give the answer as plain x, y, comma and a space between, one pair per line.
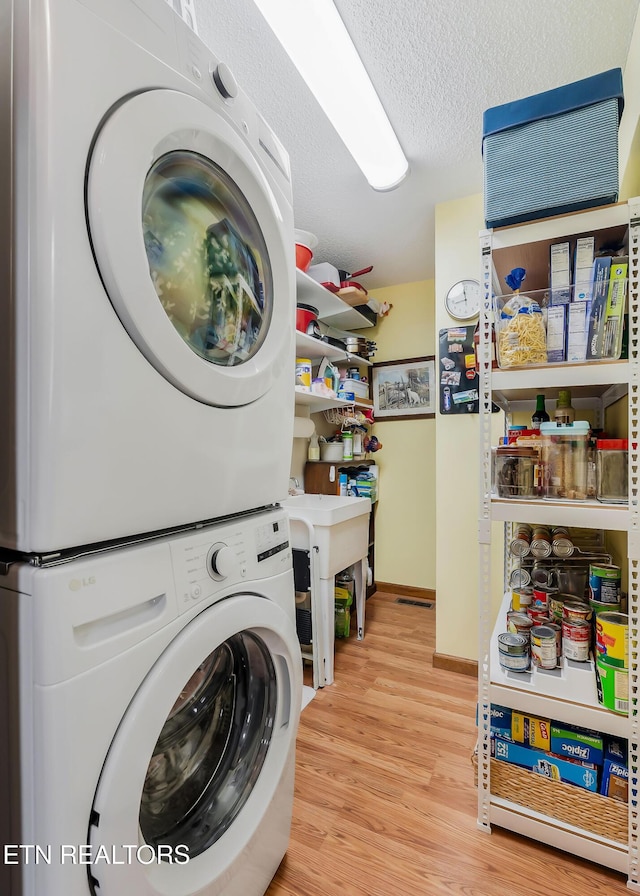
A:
612, 470
564, 458
514, 474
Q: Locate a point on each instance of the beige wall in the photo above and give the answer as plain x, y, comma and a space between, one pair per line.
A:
405, 551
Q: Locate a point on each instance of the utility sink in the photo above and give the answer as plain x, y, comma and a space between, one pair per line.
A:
340, 528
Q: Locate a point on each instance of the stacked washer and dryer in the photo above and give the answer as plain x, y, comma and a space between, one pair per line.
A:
150, 671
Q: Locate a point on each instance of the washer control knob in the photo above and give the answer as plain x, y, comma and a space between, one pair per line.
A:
222, 561
224, 81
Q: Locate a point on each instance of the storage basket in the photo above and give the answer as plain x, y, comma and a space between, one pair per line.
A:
554, 152
572, 805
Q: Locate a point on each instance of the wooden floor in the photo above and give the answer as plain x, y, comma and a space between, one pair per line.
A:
385, 802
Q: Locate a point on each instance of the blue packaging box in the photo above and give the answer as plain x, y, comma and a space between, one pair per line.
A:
541, 763
616, 749
615, 781
577, 743
554, 152
501, 721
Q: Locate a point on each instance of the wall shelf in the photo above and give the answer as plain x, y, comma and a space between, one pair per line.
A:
331, 309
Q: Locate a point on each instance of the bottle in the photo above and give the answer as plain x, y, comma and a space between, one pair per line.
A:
347, 446
539, 415
314, 448
343, 485
564, 413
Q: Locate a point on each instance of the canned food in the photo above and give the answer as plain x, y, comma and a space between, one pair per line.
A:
612, 638
561, 544
511, 642
556, 603
521, 542
513, 655
604, 608
613, 687
604, 584
519, 578
544, 652
558, 630
521, 598
519, 623
541, 595
539, 615
576, 640
541, 542
576, 610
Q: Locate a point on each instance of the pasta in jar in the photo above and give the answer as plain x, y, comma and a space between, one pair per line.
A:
522, 338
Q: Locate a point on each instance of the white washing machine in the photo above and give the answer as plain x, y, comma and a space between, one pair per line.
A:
153, 696
147, 277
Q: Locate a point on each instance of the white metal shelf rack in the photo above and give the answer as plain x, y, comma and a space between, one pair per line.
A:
569, 694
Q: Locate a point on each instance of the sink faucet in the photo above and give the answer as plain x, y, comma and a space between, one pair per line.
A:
295, 488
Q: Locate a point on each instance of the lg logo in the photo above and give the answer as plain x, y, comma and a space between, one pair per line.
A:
77, 584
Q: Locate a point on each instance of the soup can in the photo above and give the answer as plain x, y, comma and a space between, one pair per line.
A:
544, 653
604, 583
558, 630
539, 615
604, 608
556, 603
520, 578
576, 640
513, 652
521, 541
521, 598
541, 543
612, 638
576, 610
519, 624
613, 687
561, 544
541, 595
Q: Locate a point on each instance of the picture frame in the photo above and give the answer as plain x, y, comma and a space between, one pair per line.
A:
405, 389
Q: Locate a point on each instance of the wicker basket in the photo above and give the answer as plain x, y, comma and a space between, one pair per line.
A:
573, 805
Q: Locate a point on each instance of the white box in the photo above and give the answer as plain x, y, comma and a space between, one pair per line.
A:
577, 331
560, 279
583, 270
555, 333
359, 389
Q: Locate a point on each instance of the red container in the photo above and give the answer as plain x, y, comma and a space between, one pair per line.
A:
305, 314
303, 257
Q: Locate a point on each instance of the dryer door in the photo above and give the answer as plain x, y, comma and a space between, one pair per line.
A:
193, 248
199, 754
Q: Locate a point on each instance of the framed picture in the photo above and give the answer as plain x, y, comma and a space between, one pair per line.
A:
404, 390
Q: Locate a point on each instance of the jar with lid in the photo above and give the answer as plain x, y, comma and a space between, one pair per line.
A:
612, 470
514, 475
564, 458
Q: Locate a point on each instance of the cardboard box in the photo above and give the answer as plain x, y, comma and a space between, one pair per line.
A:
501, 721
615, 781
577, 327
571, 742
582, 269
560, 274
581, 774
556, 332
531, 730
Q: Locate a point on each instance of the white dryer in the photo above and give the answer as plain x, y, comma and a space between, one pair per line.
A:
147, 279
153, 696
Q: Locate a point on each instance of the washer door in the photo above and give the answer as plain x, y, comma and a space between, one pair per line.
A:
199, 753
192, 247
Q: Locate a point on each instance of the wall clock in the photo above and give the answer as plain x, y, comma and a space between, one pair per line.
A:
463, 300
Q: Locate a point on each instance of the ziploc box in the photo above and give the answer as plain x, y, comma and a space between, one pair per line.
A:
553, 152
577, 743
531, 730
615, 781
501, 721
581, 774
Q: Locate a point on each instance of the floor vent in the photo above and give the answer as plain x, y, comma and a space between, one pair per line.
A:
414, 603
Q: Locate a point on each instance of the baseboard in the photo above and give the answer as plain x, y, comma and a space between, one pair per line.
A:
455, 664
406, 591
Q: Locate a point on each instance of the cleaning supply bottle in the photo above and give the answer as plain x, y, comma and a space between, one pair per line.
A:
314, 448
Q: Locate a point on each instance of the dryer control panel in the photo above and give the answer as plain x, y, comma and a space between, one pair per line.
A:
207, 562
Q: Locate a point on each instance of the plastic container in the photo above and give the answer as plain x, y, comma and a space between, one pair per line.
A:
564, 460
521, 336
514, 474
612, 471
305, 244
332, 451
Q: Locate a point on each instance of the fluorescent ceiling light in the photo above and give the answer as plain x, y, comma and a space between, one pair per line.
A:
314, 36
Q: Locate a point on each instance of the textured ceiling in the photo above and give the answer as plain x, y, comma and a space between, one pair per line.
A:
436, 66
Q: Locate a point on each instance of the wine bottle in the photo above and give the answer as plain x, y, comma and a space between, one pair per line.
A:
539, 415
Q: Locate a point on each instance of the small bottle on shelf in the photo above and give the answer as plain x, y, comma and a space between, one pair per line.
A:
314, 448
539, 415
564, 412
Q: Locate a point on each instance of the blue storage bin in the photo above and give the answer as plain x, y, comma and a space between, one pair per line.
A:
554, 152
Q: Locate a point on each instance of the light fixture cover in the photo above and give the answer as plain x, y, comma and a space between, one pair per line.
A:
314, 36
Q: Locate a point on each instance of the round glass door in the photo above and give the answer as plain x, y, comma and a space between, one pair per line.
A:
211, 748
207, 256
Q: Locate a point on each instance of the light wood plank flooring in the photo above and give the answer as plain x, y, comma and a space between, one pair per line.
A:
385, 802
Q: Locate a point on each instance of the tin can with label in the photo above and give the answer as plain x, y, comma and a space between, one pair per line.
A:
519, 578
541, 542
558, 630
541, 595
604, 584
576, 640
521, 542
613, 687
576, 610
521, 598
612, 638
519, 624
513, 652
556, 603
561, 544
539, 615
544, 652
